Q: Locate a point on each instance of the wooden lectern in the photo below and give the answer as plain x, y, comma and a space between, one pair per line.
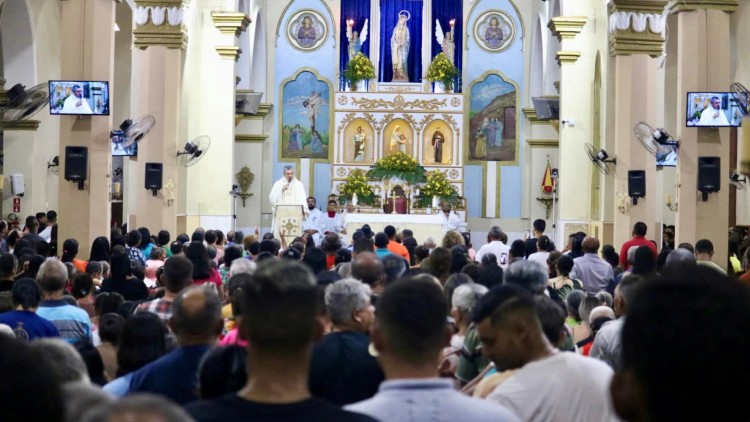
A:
289, 218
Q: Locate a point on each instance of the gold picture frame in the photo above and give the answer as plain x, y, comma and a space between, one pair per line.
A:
428, 151
367, 155
405, 129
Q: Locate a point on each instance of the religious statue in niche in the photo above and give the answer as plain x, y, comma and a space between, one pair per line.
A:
359, 140
398, 136
494, 31
400, 48
307, 30
437, 144
398, 140
304, 117
445, 39
492, 120
356, 39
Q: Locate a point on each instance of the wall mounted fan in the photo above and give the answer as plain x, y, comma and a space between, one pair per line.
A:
53, 165
600, 158
24, 103
131, 132
741, 96
656, 141
194, 151
736, 180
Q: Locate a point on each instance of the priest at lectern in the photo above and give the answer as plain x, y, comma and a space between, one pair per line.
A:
288, 199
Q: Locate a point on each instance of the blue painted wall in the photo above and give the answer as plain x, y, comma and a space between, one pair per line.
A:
510, 63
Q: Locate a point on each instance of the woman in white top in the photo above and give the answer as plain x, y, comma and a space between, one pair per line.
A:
543, 246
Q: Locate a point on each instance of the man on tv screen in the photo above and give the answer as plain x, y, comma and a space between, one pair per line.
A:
76, 103
713, 115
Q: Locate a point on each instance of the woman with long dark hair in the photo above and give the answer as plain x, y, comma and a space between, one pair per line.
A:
100, 250
202, 271
146, 242
70, 251
121, 279
142, 341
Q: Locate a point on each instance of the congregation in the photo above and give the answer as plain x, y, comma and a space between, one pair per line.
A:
236, 327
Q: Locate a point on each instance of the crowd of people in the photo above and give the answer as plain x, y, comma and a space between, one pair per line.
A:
235, 327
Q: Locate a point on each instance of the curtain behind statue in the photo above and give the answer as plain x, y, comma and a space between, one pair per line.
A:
445, 10
388, 19
359, 10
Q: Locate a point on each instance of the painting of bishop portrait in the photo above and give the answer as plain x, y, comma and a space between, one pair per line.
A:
305, 117
493, 103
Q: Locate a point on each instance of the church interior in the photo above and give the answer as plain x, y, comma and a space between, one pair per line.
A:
589, 114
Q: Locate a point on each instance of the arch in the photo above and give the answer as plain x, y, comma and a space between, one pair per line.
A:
596, 137
19, 61
536, 83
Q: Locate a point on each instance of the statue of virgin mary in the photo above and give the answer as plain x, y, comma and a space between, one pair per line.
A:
400, 48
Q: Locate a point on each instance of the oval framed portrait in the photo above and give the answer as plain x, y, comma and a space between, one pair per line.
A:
494, 31
307, 30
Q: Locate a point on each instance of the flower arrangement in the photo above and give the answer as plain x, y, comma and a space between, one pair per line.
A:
359, 68
400, 166
441, 70
356, 183
438, 186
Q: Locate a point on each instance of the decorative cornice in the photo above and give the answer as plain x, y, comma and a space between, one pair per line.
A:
637, 27
638, 6
729, 6
263, 110
229, 52
629, 42
567, 57
160, 23
250, 138
230, 23
567, 27
543, 142
31, 125
530, 113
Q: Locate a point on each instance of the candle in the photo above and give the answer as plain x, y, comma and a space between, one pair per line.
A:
117, 188
452, 22
669, 200
350, 22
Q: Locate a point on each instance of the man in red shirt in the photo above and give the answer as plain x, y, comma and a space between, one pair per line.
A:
393, 246
639, 239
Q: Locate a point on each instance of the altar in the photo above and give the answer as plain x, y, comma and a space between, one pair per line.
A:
423, 225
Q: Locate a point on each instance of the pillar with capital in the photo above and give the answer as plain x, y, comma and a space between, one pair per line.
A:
636, 44
700, 48
87, 50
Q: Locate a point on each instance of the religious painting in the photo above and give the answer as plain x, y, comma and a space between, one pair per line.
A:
494, 31
305, 117
359, 142
437, 144
398, 136
307, 30
493, 103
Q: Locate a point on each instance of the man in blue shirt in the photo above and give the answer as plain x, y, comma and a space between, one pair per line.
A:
24, 322
196, 321
72, 322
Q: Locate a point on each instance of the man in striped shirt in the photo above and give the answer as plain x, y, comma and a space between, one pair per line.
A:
71, 321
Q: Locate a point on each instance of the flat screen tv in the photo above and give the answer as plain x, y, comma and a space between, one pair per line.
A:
712, 109
79, 98
117, 146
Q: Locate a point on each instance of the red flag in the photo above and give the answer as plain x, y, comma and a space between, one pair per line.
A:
548, 184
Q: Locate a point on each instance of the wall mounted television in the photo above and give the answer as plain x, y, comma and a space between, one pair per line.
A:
79, 98
712, 109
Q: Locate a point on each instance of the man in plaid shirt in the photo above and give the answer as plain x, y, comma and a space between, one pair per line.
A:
134, 254
178, 274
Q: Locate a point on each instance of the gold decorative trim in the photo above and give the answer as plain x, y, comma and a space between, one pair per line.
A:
399, 104
729, 6
263, 110
567, 57
230, 23
631, 42
567, 27
543, 142
164, 35
638, 6
229, 52
531, 116
31, 125
250, 138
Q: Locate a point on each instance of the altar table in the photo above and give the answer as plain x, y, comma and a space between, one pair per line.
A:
423, 225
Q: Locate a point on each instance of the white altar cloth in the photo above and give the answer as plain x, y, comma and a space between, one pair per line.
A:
422, 225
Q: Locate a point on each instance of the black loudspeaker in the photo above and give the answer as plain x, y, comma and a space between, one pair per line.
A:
154, 176
709, 175
636, 185
76, 164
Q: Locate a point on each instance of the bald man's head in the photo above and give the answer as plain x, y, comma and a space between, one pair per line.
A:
590, 245
368, 268
196, 317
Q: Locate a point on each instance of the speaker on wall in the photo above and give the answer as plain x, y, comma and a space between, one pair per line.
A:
76, 164
709, 175
154, 176
636, 185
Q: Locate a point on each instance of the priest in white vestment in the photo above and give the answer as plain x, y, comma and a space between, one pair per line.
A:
315, 223
287, 191
713, 115
451, 220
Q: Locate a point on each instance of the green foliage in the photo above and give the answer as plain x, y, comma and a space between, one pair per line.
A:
441, 70
437, 185
356, 182
359, 68
400, 166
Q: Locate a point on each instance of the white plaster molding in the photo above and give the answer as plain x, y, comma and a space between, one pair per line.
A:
621, 21
157, 15
173, 15
141, 15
